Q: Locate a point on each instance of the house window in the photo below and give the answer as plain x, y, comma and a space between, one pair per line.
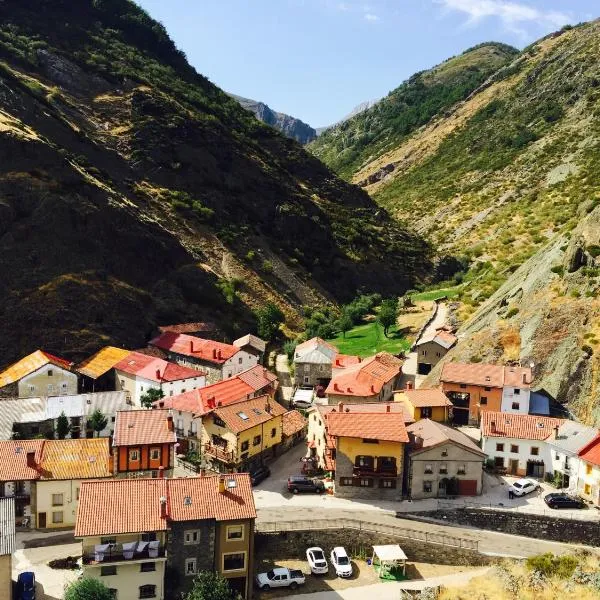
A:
306, 380
514, 448
499, 462
588, 469
444, 452
387, 483
587, 489
423, 352
427, 487
234, 561
50, 388
50, 372
386, 463
487, 389
57, 499
515, 406
463, 386
149, 537
428, 469
256, 440
499, 447
273, 432
556, 456
218, 421
234, 532
307, 368
147, 591
190, 566
147, 567
483, 400
517, 391
191, 536
57, 516
366, 482
154, 453
462, 469
346, 481
240, 360
109, 570
32, 388
113, 593
535, 451
108, 540
443, 469
134, 455
365, 463
370, 441
426, 412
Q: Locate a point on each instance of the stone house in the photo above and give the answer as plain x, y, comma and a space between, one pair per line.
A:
313, 362
432, 348
425, 403
442, 462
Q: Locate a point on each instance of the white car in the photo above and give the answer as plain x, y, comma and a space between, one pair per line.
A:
280, 577
317, 561
523, 486
341, 562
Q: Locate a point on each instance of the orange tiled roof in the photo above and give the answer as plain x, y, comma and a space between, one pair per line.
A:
366, 378
486, 375
195, 347
293, 422
141, 427
257, 377
253, 409
13, 459
378, 426
591, 453
76, 459
155, 369
101, 362
426, 397
29, 364
443, 338
341, 361
519, 426
135, 504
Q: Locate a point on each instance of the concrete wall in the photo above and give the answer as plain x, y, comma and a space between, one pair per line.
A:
69, 489
522, 456
316, 434
511, 395
588, 481
48, 380
226, 545
5, 576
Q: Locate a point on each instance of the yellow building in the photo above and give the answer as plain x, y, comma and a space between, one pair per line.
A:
368, 454
7, 545
588, 479
430, 403
241, 436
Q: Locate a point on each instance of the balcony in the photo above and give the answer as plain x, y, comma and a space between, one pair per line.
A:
128, 552
18, 495
220, 453
369, 472
180, 432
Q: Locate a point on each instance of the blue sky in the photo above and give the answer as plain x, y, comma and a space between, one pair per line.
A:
317, 59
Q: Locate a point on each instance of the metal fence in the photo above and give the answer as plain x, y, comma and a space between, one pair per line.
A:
379, 528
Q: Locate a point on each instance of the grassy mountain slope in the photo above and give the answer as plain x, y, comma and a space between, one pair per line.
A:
361, 139
134, 192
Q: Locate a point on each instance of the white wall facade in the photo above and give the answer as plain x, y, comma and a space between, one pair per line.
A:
525, 452
515, 400
588, 481
48, 380
136, 387
240, 361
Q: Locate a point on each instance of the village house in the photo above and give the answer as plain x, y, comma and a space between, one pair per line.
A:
219, 360
442, 462
180, 526
7, 545
144, 444
588, 478
293, 429
474, 388
517, 443
38, 374
138, 373
252, 344
242, 436
96, 372
369, 453
431, 348
372, 380
186, 407
425, 403
44, 477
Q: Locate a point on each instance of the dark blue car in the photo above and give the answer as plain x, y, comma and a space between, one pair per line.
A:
26, 586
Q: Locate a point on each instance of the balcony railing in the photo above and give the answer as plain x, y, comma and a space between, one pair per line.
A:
118, 553
220, 453
179, 431
23, 496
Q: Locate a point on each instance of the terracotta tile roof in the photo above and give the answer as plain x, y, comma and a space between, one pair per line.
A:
443, 338
101, 362
135, 503
188, 327
13, 459
29, 364
76, 459
525, 427
139, 427
257, 377
342, 361
195, 347
366, 378
424, 397
591, 453
433, 433
252, 341
368, 407
378, 426
254, 413
293, 422
155, 369
486, 375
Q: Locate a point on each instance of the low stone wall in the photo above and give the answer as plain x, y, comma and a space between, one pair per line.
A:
528, 525
293, 544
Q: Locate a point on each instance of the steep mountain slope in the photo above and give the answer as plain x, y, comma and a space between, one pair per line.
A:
361, 139
355, 111
134, 192
290, 126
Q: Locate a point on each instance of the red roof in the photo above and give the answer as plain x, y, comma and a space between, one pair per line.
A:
368, 407
342, 361
519, 426
155, 369
242, 416
13, 459
366, 378
486, 375
135, 504
143, 427
195, 347
591, 453
293, 422
426, 397
257, 377
378, 426
61, 362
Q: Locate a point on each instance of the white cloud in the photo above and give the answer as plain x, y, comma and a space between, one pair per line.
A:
511, 14
371, 17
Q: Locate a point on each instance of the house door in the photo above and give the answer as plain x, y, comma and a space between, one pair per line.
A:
467, 487
41, 520
513, 466
424, 368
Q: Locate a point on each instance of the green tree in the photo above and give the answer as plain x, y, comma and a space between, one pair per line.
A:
344, 323
268, 320
63, 427
387, 314
98, 421
87, 589
209, 585
152, 395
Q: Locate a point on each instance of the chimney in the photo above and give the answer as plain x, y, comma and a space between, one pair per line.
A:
31, 460
158, 374
524, 378
220, 355
409, 385
337, 362
214, 353
373, 390
163, 507
161, 404
388, 408
170, 423
553, 437
219, 404
221, 484
268, 407
493, 426
211, 402
340, 407
161, 472
336, 387
191, 346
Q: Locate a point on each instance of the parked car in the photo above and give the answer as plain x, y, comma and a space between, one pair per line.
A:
259, 474
559, 500
341, 562
523, 486
280, 577
299, 483
317, 561
303, 398
26, 586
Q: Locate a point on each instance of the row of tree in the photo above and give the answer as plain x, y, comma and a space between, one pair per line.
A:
97, 422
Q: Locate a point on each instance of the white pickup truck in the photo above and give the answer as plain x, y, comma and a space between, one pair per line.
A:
280, 577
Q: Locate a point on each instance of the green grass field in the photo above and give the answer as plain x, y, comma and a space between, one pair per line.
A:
436, 294
366, 340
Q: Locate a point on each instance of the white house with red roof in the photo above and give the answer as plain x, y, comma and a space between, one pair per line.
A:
137, 373
219, 361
